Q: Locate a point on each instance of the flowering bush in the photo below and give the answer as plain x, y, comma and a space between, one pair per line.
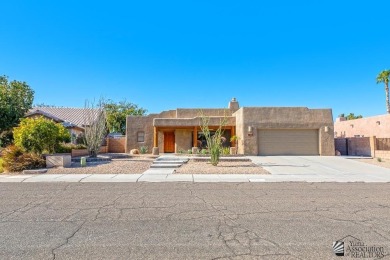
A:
40, 135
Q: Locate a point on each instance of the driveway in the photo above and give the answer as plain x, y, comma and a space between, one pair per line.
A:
320, 169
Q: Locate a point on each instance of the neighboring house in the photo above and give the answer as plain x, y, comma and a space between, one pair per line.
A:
261, 130
378, 126
74, 119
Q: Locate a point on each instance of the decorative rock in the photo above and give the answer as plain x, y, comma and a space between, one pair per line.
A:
134, 151
155, 151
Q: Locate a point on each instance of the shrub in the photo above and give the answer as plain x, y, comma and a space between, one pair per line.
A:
143, 149
189, 151
64, 148
6, 138
15, 160
40, 135
204, 151
1, 165
67, 148
214, 141
225, 150
80, 139
379, 159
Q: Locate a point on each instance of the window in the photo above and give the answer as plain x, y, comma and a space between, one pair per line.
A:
141, 137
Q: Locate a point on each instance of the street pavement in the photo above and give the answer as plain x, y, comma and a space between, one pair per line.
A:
190, 220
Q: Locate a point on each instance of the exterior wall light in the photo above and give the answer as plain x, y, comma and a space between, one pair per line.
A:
351, 125
250, 130
326, 129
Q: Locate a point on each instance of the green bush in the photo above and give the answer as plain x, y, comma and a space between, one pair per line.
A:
204, 151
1, 165
189, 151
67, 148
80, 139
15, 160
6, 138
379, 159
40, 135
143, 149
225, 150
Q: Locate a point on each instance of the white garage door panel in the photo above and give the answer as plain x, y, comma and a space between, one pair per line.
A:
288, 142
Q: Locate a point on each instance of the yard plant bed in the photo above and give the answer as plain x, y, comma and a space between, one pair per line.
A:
383, 163
115, 166
224, 167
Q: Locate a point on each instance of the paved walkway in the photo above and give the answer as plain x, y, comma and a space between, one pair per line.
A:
282, 169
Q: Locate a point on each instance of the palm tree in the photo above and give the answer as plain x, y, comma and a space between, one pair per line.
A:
383, 77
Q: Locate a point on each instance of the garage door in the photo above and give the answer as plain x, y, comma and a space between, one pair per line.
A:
288, 142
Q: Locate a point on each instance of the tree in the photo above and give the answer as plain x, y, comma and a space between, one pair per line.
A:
214, 142
95, 126
116, 114
40, 135
383, 77
352, 116
16, 98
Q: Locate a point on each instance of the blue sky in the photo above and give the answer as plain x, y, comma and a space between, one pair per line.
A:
167, 54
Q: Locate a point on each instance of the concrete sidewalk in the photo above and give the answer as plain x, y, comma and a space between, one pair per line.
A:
189, 178
282, 169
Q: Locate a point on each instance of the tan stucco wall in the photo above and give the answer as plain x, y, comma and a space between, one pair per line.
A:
364, 127
180, 122
240, 130
196, 112
161, 141
283, 118
134, 124
183, 140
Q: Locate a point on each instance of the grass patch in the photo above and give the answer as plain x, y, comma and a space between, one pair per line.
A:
1, 165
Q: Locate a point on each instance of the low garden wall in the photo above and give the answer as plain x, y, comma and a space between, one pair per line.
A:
84, 152
364, 146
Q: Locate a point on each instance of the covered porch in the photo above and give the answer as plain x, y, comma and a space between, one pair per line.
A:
177, 139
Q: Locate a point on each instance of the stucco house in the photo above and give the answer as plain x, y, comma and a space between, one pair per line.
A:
261, 130
73, 119
378, 126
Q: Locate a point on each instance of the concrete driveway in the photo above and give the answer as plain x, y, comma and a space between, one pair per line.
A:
320, 169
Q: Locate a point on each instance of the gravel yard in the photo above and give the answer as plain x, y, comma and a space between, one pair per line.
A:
223, 168
116, 166
384, 163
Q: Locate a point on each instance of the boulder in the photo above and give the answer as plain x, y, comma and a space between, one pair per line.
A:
134, 151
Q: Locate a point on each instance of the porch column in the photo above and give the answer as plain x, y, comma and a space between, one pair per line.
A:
233, 132
195, 137
155, 137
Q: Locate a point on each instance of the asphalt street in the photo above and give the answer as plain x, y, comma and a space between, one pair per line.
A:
190, 220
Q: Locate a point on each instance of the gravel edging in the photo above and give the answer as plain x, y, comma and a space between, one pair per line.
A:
116, 166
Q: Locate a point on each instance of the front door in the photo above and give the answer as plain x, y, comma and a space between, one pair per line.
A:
169, 142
